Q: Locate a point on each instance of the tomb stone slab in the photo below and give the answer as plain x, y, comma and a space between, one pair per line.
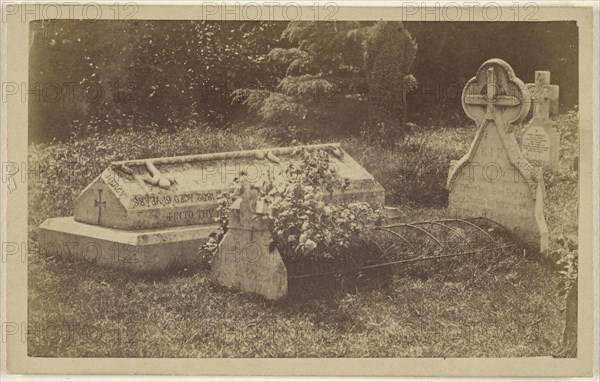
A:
180, 191
537, 143
162, 210
147, 250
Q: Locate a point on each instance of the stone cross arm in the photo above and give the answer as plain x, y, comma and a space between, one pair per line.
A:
495, 93
544, 95
498, 101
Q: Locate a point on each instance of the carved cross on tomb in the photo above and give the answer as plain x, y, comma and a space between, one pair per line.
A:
100, 204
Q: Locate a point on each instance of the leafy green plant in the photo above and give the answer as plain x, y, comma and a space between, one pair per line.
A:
302, 218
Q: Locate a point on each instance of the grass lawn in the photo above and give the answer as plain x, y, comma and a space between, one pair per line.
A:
501, 304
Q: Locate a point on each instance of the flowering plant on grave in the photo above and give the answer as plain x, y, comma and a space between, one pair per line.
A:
301, 218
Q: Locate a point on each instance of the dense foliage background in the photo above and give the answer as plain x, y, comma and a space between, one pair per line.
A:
109, 75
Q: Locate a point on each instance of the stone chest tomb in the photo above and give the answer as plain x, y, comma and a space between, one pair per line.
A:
152, 214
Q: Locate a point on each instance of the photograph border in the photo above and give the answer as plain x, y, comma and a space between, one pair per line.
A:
14, 269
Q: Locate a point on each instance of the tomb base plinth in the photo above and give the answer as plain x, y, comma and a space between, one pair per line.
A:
145, 250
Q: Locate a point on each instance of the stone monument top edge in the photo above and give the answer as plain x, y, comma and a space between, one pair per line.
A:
224, 155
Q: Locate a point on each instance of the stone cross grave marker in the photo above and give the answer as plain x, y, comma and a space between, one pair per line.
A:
151, 214
493, 179
540, 142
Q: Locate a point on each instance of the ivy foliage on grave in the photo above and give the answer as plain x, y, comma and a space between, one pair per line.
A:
301, 219
209, 248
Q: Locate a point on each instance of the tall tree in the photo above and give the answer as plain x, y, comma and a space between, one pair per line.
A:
389, 55
330, 71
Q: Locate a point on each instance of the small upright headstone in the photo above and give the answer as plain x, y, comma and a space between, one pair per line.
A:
246, 258
493, 180
541, 141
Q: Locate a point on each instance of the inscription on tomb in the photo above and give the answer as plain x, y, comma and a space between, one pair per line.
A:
490, 186
152, 200
114, 182
190, 215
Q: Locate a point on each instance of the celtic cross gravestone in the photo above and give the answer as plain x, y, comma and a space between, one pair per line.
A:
493, 180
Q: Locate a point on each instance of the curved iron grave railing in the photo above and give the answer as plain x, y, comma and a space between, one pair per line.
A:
397, 248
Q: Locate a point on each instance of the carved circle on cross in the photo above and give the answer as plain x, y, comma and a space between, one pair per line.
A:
495, 93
